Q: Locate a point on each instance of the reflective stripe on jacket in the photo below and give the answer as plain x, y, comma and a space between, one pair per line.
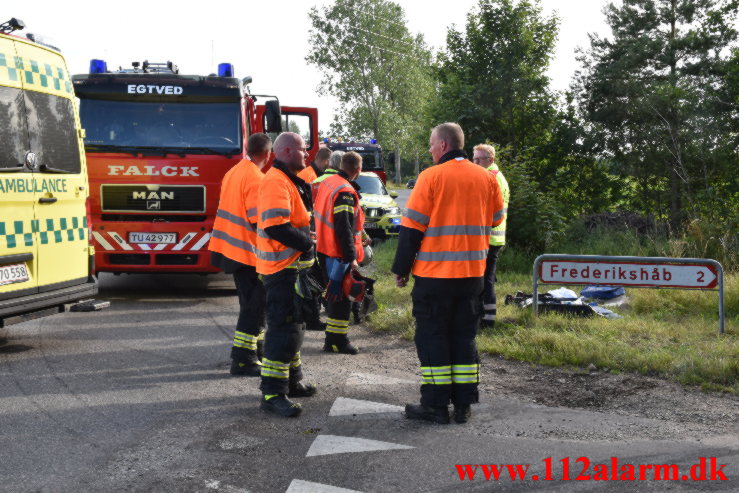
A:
234, 235
497, 237
454, 204
323, 212
317, 182
279, 203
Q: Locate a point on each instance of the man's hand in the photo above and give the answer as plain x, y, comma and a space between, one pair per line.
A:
355, 265
401, 281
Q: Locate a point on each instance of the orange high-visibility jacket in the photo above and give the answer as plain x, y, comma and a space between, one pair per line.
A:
233, 234
454, 204
308, 174
324, 209
279, 203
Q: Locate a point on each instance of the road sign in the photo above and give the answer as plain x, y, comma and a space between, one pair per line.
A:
637, 272
652, 275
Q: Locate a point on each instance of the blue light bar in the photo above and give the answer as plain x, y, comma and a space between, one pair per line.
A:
225, 70
98, 66
373, 141
325, 140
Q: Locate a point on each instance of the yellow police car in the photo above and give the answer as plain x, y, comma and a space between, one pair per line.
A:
45, 254
381, 212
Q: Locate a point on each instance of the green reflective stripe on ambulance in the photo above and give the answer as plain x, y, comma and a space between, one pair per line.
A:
56, 230
43, 76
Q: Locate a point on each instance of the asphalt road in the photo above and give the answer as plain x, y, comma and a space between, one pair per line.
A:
138, 398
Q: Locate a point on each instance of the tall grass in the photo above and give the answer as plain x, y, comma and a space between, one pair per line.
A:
668, 333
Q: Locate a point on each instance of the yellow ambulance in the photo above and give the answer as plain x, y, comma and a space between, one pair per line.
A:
45, 254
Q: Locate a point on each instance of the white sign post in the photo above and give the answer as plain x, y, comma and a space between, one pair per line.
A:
636, 272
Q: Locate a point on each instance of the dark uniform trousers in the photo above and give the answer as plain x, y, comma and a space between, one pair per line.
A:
251, 313
488, 294
446, 327
281, 367
337, 312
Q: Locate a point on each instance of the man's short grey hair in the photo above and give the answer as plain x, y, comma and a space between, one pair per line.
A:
335, 161
451, 133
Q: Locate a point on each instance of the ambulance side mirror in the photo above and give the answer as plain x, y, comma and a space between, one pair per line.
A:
272, 116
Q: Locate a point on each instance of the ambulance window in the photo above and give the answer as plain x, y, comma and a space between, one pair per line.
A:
52, 131
13, 131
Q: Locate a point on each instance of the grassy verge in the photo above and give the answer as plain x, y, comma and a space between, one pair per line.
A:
668, 333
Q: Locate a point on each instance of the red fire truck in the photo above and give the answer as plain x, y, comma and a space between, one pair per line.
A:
158, 144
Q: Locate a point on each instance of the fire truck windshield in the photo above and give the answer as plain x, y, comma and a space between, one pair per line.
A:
199, 128
370, 160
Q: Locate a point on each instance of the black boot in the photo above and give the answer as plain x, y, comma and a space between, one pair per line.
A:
340, 346
462, 413
239, 369
301, 389
244, 363
281, 405
438, 415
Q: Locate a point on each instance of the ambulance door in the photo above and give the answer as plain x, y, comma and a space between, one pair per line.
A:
61, 178
18, 240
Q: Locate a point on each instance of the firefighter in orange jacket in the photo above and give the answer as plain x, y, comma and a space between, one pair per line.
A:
284, 247
317, 167
233, 246
339, 225
312, 306
443, 242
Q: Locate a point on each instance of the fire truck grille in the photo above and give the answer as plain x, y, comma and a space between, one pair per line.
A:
152, 199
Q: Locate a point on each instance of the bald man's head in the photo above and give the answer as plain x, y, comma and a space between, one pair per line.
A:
290, 148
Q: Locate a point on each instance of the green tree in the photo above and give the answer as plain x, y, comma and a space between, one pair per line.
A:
493, 78
657, 94
378, 70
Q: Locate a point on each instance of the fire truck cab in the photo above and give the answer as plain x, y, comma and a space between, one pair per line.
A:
158, 144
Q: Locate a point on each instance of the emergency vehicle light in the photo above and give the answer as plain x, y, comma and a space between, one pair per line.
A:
373, 141
325, 140
12, 25
98, 66
225, 70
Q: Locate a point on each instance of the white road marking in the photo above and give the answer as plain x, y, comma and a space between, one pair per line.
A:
333, 444
372, 379
343, 406
300, 486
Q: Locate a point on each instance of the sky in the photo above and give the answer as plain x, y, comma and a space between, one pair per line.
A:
267, 40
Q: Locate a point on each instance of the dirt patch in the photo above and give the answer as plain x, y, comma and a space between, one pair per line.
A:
625, 394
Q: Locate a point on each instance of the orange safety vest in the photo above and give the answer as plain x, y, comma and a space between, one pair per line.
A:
233, 234
324, 209
308, 174
454, 204
279, 203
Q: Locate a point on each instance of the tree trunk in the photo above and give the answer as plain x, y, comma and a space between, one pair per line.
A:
417, 168
398, 172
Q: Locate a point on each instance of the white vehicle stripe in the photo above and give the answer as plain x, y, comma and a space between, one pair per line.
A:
160, 246
184, 241
202, 241
102, 241
144, 246
120, 241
